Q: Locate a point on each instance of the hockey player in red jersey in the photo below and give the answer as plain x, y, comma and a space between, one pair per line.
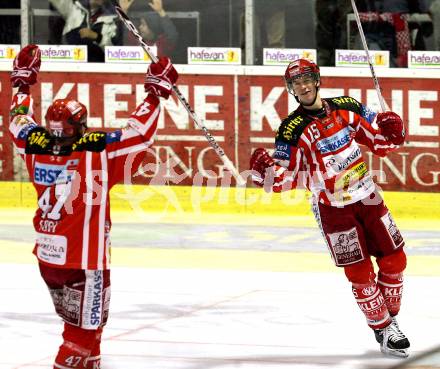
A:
73, 171
319, 144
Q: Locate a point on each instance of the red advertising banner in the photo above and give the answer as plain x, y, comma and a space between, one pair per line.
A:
242, 112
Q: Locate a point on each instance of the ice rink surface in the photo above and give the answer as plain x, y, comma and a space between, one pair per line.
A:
217, 296
208, 319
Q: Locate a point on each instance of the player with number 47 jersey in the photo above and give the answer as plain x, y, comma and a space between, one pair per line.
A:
73, 171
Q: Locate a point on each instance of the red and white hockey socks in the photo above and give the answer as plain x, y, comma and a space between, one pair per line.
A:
94, 360
76, 348
391, 286
71, 355
372, 303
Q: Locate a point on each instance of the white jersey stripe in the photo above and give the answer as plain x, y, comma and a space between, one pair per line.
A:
143, 128
369, 135
390, 146
321, 181
107, 251
299, 155
102, 209
128, 133
390, 285
129, 150
88, 211
317, 214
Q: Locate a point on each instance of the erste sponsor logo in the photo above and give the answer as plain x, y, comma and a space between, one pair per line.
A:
50, 174
46, 174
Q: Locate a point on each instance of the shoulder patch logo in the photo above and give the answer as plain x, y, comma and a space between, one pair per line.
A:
93, 141
345, 100
282, 151
368, 114
290, 127
39, 138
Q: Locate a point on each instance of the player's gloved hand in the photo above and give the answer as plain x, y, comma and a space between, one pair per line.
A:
391, 127
260, 161
160, 78
265, 172
26, 66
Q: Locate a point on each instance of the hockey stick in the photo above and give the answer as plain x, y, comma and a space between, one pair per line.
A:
364, 43
228, 164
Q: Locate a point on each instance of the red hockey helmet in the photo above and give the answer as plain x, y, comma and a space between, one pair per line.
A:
66, 119
299, 68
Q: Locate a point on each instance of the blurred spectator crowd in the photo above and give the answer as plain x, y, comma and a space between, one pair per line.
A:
173, 25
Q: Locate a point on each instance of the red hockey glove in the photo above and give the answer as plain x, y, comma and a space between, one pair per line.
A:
260, 161
160, 78
26, 66
391, 127
263, 165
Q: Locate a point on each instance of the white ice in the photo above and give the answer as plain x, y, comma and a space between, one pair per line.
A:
208, 319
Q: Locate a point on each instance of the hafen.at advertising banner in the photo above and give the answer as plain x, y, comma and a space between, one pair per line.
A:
242, 112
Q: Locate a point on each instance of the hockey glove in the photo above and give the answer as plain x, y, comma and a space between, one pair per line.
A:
265, 173
391, 127
26, 66
260, 161
160, 78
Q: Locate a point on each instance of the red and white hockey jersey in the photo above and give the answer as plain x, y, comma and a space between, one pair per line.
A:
73, 216
322, 149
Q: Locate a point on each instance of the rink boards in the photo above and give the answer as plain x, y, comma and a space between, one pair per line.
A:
242, 107
171, 228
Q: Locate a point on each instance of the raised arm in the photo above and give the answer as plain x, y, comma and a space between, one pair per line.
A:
125, 145
24, 74
389, 136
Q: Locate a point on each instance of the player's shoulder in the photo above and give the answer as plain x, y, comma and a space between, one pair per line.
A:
114, 136
351, 104
292, 127
345, 103
91, 141
38, 141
